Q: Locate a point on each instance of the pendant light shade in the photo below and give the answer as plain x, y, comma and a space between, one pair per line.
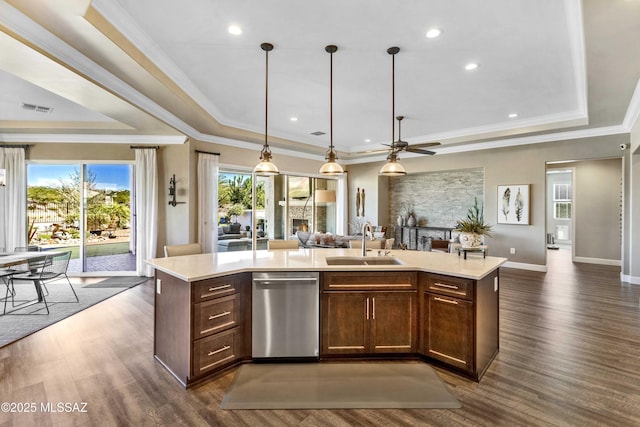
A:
392, 167
331, 167
265, 167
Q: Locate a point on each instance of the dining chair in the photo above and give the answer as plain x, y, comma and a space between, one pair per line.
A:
5, 276
282, 244
186, 249
52, 267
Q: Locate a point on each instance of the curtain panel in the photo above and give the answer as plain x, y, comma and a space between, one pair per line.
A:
208, 202
13, 214
341, 206
146, 205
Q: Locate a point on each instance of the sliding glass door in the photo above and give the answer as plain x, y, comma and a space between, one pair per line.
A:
85, 208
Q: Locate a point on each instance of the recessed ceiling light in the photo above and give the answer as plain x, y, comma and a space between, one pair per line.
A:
294, 119
235, 30
513, 115
367, 140
433, 33
471, 66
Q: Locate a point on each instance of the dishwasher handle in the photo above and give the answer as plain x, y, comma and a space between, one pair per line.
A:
284, 279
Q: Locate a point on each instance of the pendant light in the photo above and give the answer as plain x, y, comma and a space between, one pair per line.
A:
331, 167
265, 167
392, 167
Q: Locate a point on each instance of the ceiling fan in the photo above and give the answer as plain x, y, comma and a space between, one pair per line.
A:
400, 145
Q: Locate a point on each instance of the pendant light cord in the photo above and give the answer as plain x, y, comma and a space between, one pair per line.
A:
393, 101
331, 104
266, 98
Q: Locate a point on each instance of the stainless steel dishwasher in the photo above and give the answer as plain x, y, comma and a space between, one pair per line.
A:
285, 315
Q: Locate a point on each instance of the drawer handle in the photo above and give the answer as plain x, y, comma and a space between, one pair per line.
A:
220, 350
448, 301
442, 285
213, 290
215, 316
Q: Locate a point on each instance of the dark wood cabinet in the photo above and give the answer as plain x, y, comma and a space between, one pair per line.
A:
378, 318
448, 330
459, 321
202, 327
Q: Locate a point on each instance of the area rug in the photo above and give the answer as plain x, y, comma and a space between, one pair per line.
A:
27, 320
118, 282
338, 386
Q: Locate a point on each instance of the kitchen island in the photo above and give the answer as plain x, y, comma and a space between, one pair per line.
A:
433, 306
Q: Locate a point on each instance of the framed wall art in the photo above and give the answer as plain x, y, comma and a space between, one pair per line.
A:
513, 204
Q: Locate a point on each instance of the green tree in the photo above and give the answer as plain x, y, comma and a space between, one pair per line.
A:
43, 195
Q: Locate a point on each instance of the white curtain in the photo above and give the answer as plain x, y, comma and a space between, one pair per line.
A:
208, 202
146, 209
13, 216
342, 202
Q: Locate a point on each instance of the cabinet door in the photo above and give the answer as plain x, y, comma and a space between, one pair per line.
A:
448, 333
345, 323
393, 322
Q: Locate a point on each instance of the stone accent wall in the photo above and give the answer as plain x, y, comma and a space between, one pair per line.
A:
437, 199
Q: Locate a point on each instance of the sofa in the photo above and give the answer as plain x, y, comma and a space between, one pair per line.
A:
229, 232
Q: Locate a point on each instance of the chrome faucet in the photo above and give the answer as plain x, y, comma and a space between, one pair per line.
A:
365, 226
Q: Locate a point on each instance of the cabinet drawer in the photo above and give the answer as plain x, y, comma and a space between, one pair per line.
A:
215, 315
370, 281
213, 351
214, 288
452, 286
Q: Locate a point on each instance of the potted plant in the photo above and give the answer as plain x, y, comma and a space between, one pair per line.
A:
235, 211
473, 227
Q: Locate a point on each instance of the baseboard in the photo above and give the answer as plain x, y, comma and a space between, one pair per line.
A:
634, 280
524, 266
601, 261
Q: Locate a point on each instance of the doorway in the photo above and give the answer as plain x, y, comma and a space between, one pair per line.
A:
584, 211
85, 208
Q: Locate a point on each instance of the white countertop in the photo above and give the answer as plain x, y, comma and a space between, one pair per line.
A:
197, 267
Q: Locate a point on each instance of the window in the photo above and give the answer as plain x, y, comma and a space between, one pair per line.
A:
284, 205
86, 208
561, 192
562, 210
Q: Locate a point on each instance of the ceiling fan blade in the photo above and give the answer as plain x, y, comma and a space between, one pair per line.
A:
426, 145
372, 152
419, 151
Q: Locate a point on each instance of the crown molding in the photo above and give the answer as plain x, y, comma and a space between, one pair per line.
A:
509, 142
92, 138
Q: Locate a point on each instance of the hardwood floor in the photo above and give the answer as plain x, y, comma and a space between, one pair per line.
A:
569, 355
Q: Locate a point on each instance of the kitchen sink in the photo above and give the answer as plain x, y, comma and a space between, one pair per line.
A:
351, 260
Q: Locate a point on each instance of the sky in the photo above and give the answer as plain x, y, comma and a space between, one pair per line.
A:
108, 177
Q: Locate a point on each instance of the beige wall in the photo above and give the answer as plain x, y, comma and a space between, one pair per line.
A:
631, 256
597, 200
515, 165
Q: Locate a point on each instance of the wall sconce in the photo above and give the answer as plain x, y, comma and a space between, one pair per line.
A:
172, 191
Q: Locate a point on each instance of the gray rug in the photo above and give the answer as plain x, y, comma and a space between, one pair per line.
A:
118, 282
338, 385
27, 320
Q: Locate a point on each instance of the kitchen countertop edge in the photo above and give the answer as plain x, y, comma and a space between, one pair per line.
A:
191, 268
